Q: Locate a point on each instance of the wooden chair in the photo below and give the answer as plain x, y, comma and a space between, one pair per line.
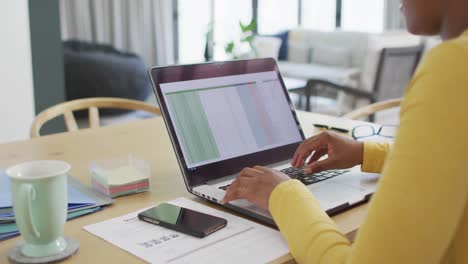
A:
371, 109
92, 104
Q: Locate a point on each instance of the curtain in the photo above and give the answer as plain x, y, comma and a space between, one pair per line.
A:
144, 27
393, 17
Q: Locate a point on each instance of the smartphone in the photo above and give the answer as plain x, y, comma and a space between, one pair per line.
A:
183, 220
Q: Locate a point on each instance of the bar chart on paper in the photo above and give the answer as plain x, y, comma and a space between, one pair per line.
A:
224, 121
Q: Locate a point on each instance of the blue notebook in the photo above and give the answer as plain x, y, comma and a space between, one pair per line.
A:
82, 200
76, 198
11, 230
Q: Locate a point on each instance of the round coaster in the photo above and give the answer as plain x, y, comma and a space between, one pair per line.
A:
15, 255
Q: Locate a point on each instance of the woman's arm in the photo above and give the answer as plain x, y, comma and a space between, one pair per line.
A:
374, 156
422, 194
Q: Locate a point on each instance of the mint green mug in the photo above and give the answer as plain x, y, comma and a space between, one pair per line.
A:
40, 203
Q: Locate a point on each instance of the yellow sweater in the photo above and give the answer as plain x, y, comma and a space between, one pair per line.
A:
419, 213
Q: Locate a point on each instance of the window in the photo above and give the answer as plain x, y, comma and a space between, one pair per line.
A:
277, 15
363, 15
194, 18
319, 14
273, 16
227, 14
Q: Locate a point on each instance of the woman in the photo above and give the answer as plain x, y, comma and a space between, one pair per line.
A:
419, 213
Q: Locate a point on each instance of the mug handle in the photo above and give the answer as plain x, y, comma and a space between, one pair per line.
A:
28, 193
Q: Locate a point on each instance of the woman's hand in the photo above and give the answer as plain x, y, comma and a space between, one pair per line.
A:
342, 153
255, 184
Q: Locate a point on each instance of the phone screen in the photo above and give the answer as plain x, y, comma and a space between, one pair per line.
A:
184, 220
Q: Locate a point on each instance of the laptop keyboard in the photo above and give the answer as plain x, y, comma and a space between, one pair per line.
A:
307, 179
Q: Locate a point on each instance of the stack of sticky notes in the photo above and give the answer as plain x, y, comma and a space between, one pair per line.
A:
120, 180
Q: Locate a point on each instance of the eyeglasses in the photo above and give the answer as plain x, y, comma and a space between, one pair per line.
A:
366, 131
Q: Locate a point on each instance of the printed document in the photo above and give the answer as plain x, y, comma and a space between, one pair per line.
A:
241, 241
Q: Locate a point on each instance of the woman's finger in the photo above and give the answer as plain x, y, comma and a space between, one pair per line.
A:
307, 147
317, 155
250, 172
230, 195
301, 155
240, 186
262, 169
232, 192
295, 160
321, 165
239, 189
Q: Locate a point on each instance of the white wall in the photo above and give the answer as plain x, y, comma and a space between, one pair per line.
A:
16, 81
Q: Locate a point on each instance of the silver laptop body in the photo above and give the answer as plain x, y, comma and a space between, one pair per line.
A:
225, 116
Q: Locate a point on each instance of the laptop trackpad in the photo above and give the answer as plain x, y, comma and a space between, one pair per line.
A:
332, 194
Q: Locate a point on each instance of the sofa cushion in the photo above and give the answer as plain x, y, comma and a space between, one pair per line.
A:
267, 47
298, 52
283, 51
356, 42
331, 55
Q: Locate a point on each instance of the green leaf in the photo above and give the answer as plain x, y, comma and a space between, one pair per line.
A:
248, 38
251, 25
243, 27
229, 47
247, 28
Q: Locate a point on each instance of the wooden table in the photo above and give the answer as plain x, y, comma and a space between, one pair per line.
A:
147, 139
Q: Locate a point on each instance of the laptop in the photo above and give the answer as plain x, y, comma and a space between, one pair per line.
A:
225, 116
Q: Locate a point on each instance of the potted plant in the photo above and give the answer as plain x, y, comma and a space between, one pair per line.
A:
243, 48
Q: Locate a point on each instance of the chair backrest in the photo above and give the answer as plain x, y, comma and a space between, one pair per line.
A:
92, 104
395, 70
371, 109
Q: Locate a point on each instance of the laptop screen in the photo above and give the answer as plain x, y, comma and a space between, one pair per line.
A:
221, 118
224, 116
